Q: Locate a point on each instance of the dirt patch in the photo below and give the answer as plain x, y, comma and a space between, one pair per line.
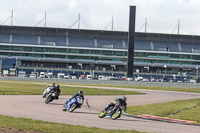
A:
10, 130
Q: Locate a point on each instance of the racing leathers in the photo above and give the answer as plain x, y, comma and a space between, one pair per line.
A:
75, 95
54, 89
119, 101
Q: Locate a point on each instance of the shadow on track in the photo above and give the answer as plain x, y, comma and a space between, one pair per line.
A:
85, 113
56, 104
128, 120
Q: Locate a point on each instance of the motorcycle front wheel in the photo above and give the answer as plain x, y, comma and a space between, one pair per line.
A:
64, 107
73, 107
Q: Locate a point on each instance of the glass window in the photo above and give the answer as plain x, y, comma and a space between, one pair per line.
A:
94, 58
176, 56
195, 57
152, 55
84, 51
61, 50
50, 56
83, 57
61, 56
107, 52
5, 47
36, 55
49, 50
185, 56
73, 51
38, 49
4, 53
72, 57
140, 54
118, 53
15, 48
95, 52
27, 48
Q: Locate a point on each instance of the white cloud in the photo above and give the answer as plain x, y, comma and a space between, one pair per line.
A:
162, 15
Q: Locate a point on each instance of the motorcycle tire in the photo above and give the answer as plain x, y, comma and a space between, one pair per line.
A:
102, 114
64, 107
117, 114
49, 99
72, 107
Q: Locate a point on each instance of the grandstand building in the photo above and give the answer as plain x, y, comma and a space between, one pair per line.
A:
77, 51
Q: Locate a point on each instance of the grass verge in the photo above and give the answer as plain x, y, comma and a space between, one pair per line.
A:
195, 90
31, 88
50, 127
180, 89
183, 109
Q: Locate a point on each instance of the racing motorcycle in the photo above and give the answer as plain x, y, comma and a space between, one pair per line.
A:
50, 96
73, 104
113, 112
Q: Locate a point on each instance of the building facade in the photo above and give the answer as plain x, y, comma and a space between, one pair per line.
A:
73, 50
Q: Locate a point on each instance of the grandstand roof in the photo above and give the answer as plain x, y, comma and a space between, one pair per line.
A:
97, 34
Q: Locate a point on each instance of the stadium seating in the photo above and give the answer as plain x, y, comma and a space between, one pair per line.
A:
110, 43
24, 39
4, 38
166, 46
142, 45
188, 47
81, 42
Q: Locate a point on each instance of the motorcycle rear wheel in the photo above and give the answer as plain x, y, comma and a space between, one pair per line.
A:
102, 114
73, 107
117, 114
49, 99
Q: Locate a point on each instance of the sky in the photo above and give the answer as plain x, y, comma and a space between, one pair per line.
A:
162, 15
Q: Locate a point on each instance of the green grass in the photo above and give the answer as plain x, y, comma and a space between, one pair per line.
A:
195, 90
50, 127
181, 89
29, 88
184, 109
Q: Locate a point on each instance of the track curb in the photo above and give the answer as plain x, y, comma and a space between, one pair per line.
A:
163, 119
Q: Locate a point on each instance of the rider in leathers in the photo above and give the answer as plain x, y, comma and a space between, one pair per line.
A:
52, 87
80, 93
120, 101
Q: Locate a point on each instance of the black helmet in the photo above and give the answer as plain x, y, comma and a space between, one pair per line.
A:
57, 86
124, 98
53, 84
80, 92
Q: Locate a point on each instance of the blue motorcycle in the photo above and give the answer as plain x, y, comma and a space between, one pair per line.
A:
73, 104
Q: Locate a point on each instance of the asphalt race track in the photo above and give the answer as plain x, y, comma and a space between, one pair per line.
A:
33, 106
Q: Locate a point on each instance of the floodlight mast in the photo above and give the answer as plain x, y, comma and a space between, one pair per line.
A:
11, 18
44, 19
131, 39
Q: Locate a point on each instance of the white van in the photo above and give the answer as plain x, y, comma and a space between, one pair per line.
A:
61, 75
42, 75
139, 79
49, 75
102, 77
33, 75
89, 77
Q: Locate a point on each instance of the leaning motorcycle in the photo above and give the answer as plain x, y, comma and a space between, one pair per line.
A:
50, 97
113, 112
73, 104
